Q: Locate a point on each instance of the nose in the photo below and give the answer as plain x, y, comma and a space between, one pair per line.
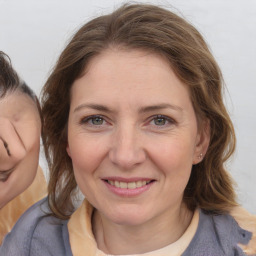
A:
12, 149
127, 149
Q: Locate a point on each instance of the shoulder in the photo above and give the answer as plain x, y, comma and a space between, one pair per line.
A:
218, 235
11, 212
246, 221
37, 233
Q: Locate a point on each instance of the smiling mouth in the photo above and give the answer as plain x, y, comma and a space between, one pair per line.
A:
129, 185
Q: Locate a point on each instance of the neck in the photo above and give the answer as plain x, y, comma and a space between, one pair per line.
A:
154, 234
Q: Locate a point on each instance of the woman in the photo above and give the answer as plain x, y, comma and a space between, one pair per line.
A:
134, 117
20, 128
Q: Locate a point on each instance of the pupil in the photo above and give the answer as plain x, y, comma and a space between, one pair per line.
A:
97, 120
159, 121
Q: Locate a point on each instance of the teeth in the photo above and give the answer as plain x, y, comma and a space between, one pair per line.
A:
116, 184
131, 185
123, 185
139, 184
128, 185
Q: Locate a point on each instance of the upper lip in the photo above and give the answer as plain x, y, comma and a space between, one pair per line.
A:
127, 180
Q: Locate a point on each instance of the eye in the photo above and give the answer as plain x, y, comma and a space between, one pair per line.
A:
161, 121
97, 120
93, 120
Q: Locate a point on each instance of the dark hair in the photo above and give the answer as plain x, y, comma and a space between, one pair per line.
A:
10, 81
153, 29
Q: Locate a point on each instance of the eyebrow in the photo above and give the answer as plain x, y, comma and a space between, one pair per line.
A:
160, 107
141, 110
93, 106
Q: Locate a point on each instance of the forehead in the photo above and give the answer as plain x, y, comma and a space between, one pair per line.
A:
132, 76
17, 104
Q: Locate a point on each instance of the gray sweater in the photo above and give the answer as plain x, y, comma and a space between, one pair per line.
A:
36, 234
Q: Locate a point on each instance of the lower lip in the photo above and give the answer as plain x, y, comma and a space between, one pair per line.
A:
126, 192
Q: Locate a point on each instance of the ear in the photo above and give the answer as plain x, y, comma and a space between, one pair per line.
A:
202, 141
68, 150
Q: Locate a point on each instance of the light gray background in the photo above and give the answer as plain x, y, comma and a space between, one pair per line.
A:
33, 33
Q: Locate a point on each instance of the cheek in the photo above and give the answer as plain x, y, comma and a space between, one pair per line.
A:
22, 177
173, 158
31, 138
29, 132
175, 153
28, 166
86, 154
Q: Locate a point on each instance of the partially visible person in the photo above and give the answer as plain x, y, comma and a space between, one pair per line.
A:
22, 182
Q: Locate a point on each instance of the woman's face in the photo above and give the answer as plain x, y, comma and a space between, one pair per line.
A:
20, 129
132, 136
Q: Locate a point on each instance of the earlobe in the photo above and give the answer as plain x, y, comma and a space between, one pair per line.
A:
202, 142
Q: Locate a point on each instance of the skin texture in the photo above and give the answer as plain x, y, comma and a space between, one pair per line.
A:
132, 118
20, 129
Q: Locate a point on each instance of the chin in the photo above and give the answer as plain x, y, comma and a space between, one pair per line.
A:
128, 217
129, 220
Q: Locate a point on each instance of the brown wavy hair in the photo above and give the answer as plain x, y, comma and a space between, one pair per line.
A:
153, 29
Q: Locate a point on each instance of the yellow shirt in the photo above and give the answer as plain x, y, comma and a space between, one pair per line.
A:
11, 212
